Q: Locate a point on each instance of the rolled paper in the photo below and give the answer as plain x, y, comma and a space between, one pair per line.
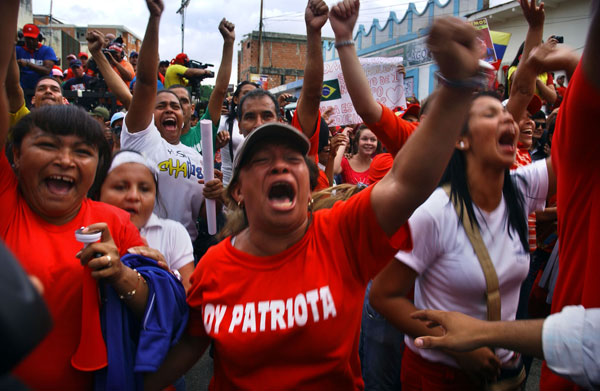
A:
208, 168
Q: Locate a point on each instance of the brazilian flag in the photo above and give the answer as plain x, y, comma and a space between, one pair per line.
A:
331, 90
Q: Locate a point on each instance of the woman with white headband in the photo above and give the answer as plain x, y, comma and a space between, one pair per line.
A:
131, 184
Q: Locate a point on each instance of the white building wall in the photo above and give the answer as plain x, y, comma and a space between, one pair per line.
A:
570, 19
25, 13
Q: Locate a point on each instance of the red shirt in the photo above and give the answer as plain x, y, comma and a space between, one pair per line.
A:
353, 177
291, 321
576, 162
322, 181
392, 130
48, 251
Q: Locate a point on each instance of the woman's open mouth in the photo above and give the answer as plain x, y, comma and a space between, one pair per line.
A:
59, 184
282, 196
507, 141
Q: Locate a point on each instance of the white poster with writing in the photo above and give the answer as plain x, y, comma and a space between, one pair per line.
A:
387, 87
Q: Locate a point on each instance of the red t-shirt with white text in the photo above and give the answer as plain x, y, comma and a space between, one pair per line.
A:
292, 320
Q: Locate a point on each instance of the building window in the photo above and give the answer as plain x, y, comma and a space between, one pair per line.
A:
248, 45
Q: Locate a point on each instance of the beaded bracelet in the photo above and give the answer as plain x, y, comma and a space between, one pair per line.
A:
343, 43
131, 293
471, 83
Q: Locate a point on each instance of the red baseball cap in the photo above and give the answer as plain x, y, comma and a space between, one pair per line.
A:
412, 109
83, 54
31, 31
181, 58
535, 104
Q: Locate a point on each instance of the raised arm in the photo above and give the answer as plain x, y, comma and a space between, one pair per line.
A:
591, 53
343, 18
227, 30
547, 92
9, 10
523, 83
16, 98
334, 150
114, 82
142, 103
418, 167
341, 150
307, 110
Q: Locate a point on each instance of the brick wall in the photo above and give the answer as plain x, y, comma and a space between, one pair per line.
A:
283, 57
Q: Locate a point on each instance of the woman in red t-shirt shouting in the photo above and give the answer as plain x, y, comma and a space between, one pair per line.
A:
281, 297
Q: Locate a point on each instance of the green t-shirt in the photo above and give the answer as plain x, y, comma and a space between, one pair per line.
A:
193, 138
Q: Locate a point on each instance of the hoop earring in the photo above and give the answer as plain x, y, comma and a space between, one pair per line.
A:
462, 145
311, 202
240, 204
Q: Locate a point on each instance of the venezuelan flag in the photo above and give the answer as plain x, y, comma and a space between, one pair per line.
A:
500, 41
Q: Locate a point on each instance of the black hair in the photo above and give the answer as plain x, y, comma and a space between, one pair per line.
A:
539, 115
257, 94
181, 86
455, 175
233, 113
514, 63
67, 120
323, 135
313, 173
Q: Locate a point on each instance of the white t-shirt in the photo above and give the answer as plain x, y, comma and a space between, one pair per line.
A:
450, 275
171, 239
179, 168
226, 159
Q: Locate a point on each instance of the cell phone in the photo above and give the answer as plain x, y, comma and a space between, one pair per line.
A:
291, 99
559, 38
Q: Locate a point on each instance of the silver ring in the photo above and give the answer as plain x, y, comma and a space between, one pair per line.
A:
109, 264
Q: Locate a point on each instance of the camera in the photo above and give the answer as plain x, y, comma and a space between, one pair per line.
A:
559, 38
291, 99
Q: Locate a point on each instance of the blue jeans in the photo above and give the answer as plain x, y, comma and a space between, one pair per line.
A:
380, 350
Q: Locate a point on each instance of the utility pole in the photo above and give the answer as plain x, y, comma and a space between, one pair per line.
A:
181, 10
50, 25
260, 29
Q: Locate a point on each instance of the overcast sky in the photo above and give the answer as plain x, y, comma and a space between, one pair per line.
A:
202, 39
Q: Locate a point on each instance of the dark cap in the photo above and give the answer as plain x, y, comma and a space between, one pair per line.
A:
75, 64
275, 132
100, 111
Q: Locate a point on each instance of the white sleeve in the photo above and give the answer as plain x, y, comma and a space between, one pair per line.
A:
425, 237
181, 251
571, 344
143, 141
532, 181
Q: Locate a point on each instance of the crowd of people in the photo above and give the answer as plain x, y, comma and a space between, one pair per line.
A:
391, 254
